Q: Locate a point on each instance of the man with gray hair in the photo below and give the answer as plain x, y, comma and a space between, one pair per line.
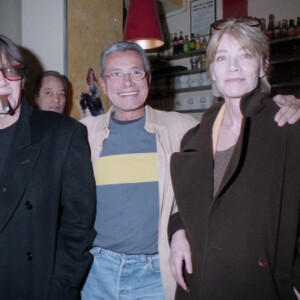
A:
131, 146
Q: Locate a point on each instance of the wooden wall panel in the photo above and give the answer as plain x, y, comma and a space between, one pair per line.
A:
92, 26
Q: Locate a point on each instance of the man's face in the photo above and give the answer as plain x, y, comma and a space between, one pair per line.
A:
52, 95
11, 90
127, 96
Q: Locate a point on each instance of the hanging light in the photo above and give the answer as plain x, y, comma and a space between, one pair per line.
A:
142, 24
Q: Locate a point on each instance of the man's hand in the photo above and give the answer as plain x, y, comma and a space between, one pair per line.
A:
180, 254
289, 111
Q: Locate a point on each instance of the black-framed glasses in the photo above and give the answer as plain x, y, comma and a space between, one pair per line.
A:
12, 72
250, 21
117, 77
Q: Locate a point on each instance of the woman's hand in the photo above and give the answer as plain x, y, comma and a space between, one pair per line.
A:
289, 111
180, 257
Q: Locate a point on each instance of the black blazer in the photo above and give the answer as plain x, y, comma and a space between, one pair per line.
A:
48, 199
245, 240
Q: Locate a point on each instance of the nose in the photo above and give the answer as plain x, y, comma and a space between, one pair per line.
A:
234, 64
127, 80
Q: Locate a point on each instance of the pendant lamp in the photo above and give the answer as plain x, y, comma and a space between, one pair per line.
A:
143, 25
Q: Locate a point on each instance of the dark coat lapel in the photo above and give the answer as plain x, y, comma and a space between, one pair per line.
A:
20, 161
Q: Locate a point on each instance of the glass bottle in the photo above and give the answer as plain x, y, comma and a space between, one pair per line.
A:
171, 44
192, 43
198, 43
204, 43
277, 30
263, 25
270, 29
284, 28
186, 44
297, 28
291, 29
180, 42
175, 44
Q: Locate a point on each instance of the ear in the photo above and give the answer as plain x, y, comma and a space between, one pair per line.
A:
103, 85
149, 78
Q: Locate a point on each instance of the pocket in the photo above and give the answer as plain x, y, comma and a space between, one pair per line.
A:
154, 264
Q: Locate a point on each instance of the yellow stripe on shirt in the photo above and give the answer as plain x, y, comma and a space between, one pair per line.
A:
126, 168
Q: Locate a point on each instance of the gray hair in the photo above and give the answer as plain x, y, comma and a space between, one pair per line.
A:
122, 47
250, 38
12, 54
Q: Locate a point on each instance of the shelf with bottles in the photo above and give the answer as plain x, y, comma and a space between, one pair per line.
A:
181, 55
178, 73
285, 64
285, 50
169, 92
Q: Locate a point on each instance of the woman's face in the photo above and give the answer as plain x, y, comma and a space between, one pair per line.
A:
235, 71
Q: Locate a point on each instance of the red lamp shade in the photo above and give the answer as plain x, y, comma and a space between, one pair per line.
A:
142, 24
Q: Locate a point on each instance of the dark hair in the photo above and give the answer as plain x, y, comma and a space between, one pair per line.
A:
39, 79
12, 54
122, 47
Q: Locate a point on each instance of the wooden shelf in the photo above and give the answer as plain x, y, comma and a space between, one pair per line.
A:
169, 92
182, 55
283, 61
285, 84
178, 73
287, 39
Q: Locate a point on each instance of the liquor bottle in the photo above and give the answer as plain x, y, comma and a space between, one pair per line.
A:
277, 29
270, 29
263, 25
297, 28
204, 43
291, 29
192, 42
171, 44
180, 42
284, 29
198, 42
186, 44
175, 44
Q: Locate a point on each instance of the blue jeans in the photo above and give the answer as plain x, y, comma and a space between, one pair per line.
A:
123, 277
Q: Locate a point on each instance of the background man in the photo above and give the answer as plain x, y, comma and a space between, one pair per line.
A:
131, 146
50, 89
47, 194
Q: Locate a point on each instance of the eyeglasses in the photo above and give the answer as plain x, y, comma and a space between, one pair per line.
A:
117, 77
12, 73
250, 21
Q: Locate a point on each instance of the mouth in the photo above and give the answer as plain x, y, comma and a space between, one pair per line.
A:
234, 80
6, 108
128, 93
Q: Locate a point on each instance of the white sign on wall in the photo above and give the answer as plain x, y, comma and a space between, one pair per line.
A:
202, 15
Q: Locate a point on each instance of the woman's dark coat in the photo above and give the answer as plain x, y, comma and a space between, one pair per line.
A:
47, 209
245, 240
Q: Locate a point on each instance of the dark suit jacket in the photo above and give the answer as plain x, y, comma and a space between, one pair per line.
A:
47, 196
245, 240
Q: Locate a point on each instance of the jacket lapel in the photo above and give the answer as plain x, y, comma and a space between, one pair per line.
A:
20, 161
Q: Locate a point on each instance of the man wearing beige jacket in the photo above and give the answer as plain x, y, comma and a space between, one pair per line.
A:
131, 147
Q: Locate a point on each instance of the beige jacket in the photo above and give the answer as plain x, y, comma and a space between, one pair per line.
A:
169, 128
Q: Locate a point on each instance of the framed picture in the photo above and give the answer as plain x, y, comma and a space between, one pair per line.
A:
203, 13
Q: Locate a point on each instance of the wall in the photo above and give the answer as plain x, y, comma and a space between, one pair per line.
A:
287, 9
10, 19
92, 26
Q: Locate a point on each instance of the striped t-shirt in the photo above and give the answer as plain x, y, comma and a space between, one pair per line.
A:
127, 190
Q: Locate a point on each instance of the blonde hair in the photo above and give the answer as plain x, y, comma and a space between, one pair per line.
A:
249, 37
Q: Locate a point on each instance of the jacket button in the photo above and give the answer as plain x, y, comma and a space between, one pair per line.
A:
28, 205
29, 256
262, 262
